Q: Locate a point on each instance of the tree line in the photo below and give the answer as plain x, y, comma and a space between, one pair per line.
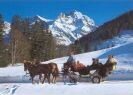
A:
26, 41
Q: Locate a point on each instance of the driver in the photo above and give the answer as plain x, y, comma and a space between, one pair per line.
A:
71, 58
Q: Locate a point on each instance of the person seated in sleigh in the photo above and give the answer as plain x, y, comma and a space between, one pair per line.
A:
95, 64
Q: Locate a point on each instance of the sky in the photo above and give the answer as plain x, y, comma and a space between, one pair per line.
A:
100, 11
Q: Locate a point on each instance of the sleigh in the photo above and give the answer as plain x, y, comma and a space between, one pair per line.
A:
94, 75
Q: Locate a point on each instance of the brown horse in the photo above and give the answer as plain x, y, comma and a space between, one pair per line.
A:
54, 71
105, 69
38, 69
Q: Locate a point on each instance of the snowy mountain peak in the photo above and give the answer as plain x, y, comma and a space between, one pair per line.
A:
70, 26
40, 18
67, 28
72, 13
76, 14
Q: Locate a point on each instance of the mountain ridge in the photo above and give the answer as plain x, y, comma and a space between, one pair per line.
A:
67, 27
107, 31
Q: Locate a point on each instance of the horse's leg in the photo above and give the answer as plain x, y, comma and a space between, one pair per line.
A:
26, 72
54, 79
51, 77
64, 78
79, 77
32, 78
40, 77
48, 78
44, 78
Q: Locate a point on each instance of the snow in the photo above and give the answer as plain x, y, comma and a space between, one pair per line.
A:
120, 82
68, 27
6, 27
43, 19
106, 88
12, 71
125, 36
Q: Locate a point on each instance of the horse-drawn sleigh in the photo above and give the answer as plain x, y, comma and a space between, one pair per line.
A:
94, 73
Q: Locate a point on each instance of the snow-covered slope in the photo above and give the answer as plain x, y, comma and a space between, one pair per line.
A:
68, 27
124, 36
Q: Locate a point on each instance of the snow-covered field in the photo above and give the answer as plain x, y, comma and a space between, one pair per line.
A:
106, 88
120, 82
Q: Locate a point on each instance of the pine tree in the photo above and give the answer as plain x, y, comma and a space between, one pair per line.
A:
15, 27
27, 38
1, 30
20, 43
3, 57
26, 28
78, 47
43, 44
38, 41
51, 45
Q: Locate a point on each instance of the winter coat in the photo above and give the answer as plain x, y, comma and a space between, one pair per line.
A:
71, 59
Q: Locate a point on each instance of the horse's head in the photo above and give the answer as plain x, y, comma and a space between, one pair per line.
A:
36, 61
27, 65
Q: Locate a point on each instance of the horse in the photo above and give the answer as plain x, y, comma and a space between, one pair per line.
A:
105, 69
108, 67
54, 71
38, 69
46, 70
51, 68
